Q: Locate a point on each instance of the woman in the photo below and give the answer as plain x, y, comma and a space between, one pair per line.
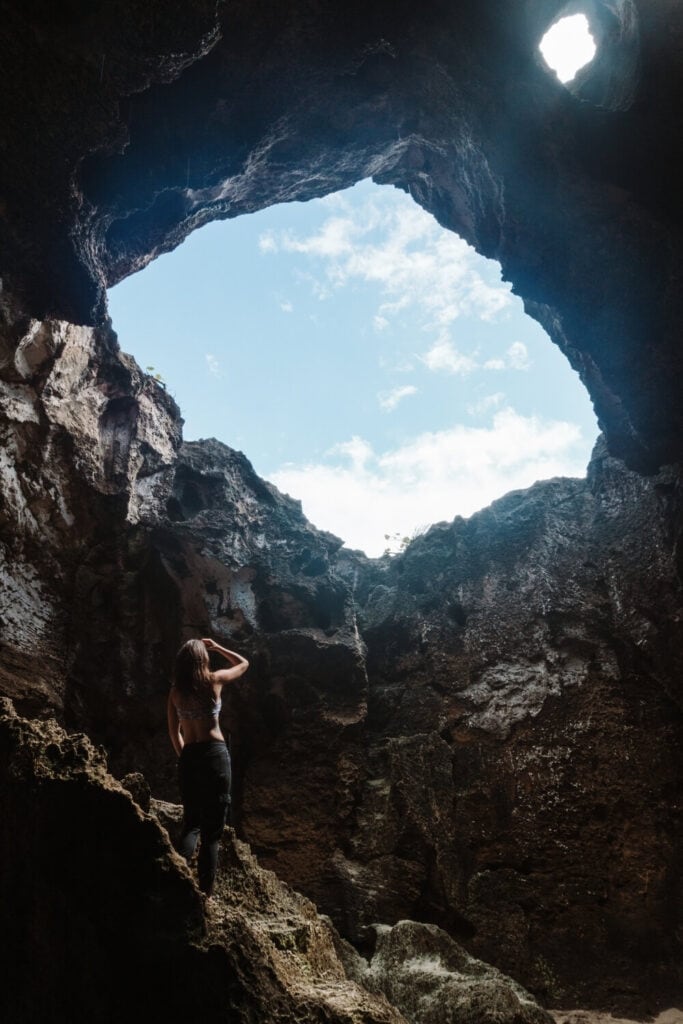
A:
194, 705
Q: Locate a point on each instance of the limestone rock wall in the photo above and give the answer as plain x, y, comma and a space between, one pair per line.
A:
87, 440
461, 734
506, 782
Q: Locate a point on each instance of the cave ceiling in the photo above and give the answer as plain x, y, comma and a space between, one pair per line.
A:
126, 127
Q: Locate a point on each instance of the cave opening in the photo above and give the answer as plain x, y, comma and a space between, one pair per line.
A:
369, 362
568, 46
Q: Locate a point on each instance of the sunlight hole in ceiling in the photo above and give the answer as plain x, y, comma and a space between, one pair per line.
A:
568, 46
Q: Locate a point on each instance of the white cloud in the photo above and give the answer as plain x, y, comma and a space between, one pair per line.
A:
335, 239
485, 404
518, 356
485, 300
396, 365
443, 355
287, 306
267, 242
388, 400
392, 243
357, 451
213, 365
362, 495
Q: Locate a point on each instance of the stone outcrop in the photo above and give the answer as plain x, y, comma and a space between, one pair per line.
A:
104, 921
83, 936
482, 733
432, 979
522, 794
87, 441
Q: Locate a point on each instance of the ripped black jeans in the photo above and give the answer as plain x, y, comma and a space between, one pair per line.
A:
204, 773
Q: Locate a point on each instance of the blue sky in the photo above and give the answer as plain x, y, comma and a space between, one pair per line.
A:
365, 360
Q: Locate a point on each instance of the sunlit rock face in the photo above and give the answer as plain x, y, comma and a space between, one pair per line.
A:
483, 733
233, 557
433, 980
87, 440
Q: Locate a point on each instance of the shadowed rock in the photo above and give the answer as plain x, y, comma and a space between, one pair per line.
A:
98, 900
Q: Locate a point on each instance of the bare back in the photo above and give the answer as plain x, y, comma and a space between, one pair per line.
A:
198, 719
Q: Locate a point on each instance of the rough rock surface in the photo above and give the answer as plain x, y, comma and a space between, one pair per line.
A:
462, 734
554, 575
87, 441
670, 1016
421, 970
81, 940
503, 782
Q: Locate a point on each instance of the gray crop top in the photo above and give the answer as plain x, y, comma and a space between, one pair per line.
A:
199, 707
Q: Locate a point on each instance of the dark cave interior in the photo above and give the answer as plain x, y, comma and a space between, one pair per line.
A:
482, 733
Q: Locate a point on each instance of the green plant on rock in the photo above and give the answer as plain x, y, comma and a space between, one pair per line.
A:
397, 542
155, 375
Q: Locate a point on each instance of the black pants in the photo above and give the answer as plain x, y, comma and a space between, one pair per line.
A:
204, 773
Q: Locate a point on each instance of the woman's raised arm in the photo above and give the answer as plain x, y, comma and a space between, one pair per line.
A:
239, 664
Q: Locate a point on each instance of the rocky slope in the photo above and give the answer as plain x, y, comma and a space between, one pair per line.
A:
82, 939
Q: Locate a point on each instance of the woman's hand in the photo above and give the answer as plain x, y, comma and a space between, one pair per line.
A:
239, 664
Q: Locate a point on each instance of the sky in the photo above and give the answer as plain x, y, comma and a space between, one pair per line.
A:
368, 362
568, 45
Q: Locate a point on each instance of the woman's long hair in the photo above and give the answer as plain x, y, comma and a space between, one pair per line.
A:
192, 672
